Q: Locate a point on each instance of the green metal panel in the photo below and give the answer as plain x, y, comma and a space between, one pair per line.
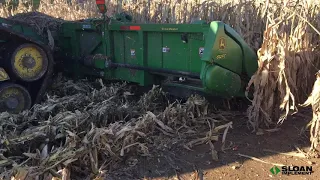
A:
196, 47
250, 58
186, 28
148, 45
226, 48
221, 81
89, 43
181, 56
229, 55
119, 56
175, 53
77, 42
127, 51
154, 49
223, 50
143, 53
132, 53
119, 47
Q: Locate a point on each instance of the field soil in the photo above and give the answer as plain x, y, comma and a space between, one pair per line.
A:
183, 164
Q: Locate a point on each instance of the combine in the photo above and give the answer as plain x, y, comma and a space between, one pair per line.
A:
208, 58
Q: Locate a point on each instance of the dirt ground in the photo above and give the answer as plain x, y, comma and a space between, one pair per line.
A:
182, 164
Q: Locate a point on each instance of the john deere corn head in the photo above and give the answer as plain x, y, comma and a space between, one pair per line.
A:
209, 58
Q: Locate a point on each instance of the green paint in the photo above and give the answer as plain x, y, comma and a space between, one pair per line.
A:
275, 170
224, 67
214, 51
226, 58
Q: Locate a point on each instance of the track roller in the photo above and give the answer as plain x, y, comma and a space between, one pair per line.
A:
28, 62
14, 98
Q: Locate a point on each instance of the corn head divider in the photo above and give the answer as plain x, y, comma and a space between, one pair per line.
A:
207, 58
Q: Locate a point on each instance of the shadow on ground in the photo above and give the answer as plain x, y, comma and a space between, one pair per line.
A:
186, 164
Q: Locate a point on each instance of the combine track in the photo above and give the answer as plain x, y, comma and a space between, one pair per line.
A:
29, 64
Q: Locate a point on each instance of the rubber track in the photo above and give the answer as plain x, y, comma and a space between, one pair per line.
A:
48, 76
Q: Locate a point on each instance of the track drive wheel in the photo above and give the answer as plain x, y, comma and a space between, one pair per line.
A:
28, 62
14, 98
